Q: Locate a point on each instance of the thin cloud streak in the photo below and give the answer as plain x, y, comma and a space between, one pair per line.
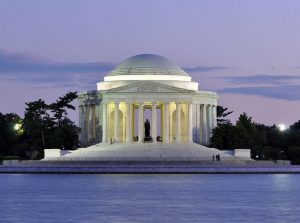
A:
35, 70
287, 92
261, 79
204, 68
25, 63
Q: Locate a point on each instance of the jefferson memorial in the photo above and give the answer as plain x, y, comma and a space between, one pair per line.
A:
147, 82
146, 106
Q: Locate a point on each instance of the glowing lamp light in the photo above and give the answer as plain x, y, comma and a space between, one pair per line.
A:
282, 127
17, 126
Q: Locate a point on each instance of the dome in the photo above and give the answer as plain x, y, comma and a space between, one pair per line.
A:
147, 64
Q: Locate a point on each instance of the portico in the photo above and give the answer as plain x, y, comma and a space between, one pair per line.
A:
175, 120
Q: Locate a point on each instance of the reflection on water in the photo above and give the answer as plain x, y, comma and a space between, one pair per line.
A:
149, 198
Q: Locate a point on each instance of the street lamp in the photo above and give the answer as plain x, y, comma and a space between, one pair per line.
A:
17, 127
282, 127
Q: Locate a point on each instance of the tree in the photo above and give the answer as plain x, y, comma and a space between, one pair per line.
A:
9, 134
63, 127
59, 108
245, 130
65, 135
294, 154
293, 135
224, 136
47, 125
222, 113
37, 121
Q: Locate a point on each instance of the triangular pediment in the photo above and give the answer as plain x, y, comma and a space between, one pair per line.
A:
148, 86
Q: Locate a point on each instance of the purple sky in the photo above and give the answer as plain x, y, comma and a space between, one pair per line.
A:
248, 51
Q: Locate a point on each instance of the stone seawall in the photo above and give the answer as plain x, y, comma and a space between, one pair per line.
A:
144, 168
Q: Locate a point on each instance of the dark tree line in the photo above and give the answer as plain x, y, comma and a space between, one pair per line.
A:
44, 126
265, 142
47, 126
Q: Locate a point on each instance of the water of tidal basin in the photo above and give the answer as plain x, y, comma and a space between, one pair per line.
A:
149, 198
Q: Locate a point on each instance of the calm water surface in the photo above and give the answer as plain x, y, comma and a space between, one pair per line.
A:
149, 198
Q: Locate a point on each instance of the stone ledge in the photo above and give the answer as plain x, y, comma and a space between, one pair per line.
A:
150, 170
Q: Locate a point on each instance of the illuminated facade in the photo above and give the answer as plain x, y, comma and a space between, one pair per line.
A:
177, 110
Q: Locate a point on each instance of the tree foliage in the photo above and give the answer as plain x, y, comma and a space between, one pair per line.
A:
44, 126
265, 142
222, 114
9, 136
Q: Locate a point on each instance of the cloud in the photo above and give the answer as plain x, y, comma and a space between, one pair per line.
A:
286, 92
15, 63
261, 79
36, 70
204, 68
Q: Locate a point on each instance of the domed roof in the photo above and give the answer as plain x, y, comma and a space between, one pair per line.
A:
147, 64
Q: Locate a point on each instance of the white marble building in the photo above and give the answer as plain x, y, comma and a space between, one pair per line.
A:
179, 111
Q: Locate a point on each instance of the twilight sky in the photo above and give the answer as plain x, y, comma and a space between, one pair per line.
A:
248, 51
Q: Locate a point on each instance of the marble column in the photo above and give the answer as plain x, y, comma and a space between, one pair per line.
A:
128, 116
141, 122
81, 111
178, 126
166, 112
204, 124
210, 120
98, 122
214, 116
132, 120
153, 122
84, 123
190, 121
93, 122
199, 124
90, 123
104, 122
116, 129
162, 120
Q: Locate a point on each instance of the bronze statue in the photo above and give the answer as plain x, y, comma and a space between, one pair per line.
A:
147, 128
